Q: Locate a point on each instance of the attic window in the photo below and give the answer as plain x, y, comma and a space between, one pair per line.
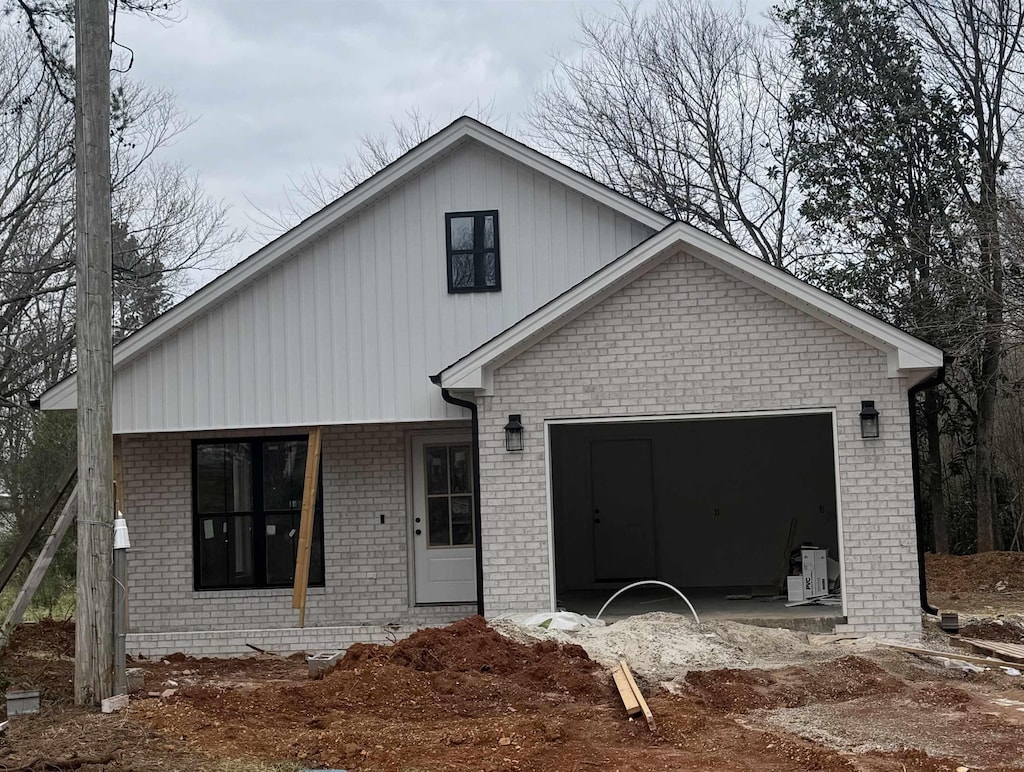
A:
472, 241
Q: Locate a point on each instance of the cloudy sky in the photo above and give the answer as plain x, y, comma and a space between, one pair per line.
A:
280, 87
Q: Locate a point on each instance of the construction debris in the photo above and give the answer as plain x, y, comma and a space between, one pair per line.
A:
949, 622
1008, 652
22, 702
626, 693
946, 655
632, 698
114, 704
320, 663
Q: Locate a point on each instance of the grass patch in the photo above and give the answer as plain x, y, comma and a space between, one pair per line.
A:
48, 604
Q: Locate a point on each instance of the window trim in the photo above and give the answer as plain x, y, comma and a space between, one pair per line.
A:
449, 495
258, 514
478, 249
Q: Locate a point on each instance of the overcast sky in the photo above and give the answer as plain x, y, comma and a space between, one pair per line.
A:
278, 87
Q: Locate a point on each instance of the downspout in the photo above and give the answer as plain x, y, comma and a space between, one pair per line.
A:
472, 408
915, 461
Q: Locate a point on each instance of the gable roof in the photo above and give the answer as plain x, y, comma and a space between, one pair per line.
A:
908, 356
428, 152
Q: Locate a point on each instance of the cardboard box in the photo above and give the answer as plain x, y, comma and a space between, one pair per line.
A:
814, 566
795, 588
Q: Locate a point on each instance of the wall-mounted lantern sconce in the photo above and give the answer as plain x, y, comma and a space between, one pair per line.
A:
514, 434
868, 420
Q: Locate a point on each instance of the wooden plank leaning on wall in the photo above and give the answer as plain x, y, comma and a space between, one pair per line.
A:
309, 491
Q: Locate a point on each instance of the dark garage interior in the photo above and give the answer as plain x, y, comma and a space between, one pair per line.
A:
712, 506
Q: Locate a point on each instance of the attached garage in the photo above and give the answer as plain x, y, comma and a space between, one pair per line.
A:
682, 408
713, 504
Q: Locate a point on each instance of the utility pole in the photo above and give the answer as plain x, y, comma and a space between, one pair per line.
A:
94, 631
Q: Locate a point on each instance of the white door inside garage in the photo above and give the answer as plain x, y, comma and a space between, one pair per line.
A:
716, 502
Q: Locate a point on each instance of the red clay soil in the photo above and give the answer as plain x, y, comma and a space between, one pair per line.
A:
465, 698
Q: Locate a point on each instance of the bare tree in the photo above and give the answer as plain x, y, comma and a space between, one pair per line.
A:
165, 226
173, 226
683, 108
975, 48
316, 188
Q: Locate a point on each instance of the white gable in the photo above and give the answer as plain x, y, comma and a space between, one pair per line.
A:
342, 320
908, 357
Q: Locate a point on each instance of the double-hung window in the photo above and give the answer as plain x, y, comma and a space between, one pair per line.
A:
473, 258
247, 501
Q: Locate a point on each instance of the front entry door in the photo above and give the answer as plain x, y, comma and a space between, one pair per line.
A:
444, 540
622, 498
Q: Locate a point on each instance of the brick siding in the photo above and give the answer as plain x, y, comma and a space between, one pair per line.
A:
366, 562
686, 338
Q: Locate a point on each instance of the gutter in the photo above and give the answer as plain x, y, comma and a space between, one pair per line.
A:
915, 463
472, 408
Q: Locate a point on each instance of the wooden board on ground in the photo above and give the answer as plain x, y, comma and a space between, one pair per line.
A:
636, 692
948, 655
629, 700
1010, 652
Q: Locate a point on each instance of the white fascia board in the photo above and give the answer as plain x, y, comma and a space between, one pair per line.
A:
907, 356
330, 216
62, 396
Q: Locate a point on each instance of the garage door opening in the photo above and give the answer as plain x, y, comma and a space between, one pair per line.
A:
718, 507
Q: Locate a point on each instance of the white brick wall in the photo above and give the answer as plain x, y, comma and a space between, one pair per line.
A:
366, 563
686, 338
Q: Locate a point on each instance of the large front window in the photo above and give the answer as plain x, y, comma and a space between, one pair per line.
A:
247, 498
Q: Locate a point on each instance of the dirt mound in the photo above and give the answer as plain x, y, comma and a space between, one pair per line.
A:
471, 646
40, 655
1006, 631
741, 691
53, 636
975, 573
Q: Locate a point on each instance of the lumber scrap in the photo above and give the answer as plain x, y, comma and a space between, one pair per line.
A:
636, 692
1009, 652
50, 503
35, 576
990, 662
309, 489
629, 700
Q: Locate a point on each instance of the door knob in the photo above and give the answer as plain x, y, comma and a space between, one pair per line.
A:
417, 519
418, 531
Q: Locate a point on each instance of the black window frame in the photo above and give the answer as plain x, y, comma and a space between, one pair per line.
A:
258, 514
478, 250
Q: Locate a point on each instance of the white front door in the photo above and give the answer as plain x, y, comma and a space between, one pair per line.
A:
444, 541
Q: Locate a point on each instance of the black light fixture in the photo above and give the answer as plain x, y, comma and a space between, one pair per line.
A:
514, 434
868, 420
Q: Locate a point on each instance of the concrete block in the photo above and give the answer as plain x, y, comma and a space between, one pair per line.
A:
22, 703
321, 662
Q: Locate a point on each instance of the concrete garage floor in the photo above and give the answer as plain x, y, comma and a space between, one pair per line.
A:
710, 603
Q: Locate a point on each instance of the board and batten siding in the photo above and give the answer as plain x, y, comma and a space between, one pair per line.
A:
350, 328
